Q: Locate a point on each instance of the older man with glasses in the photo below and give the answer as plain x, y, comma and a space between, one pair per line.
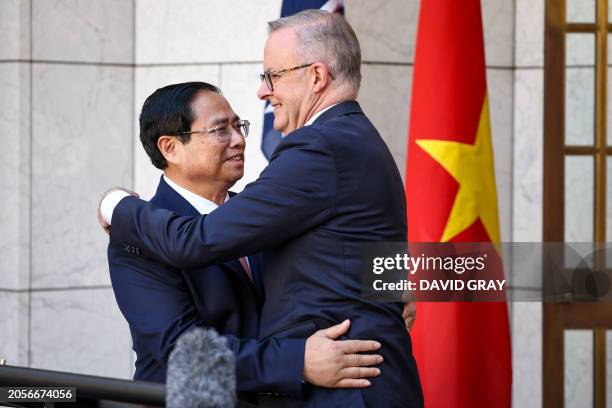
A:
331, 186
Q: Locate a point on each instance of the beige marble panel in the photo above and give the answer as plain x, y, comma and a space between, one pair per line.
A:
528, 162
202, 31
526, 354
386, 29
578, 368
500, 90
80, 331
83, 30
529, 33
15, 327
15, 175
579, 205
15, 32
498, 26
82, 145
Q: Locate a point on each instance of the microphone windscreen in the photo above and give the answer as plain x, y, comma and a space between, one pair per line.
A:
201, 371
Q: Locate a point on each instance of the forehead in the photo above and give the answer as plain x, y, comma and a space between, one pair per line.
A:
280, 48
211, 108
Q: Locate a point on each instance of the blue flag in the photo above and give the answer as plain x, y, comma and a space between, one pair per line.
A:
271, 138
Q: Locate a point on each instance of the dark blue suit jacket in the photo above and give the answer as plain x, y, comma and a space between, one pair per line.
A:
329, 188
161, 302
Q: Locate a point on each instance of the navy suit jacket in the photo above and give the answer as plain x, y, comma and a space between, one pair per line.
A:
329, 188
161, 302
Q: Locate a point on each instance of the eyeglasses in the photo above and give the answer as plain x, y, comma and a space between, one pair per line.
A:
268, 75
224, 132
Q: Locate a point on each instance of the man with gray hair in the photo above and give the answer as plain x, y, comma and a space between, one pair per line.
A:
331, 186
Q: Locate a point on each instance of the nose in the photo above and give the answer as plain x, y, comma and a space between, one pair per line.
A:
263, 92
237, 140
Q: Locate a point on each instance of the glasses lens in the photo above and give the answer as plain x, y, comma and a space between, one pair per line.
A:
223, 133
268, 78
244, 127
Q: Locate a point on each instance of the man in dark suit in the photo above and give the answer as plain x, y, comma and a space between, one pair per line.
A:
190, 132
331, 186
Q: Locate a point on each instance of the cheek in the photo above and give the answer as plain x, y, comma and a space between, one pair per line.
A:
204, 161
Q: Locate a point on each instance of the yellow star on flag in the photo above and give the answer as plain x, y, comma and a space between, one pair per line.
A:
472, 167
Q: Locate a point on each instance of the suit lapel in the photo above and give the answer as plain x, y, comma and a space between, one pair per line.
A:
166, 197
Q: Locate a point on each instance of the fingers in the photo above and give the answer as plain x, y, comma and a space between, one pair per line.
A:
409, 310
103, 223
357, 346
409, 314
409, 321
361, 360
355, 377
350, 383
408, 297
356, 373
336, 331
135, 194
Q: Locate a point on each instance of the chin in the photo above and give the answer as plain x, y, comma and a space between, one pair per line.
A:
232, 179
280, 127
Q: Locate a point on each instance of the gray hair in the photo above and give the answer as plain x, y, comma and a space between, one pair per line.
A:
326, 37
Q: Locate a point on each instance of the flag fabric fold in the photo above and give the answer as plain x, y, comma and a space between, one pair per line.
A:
462, 349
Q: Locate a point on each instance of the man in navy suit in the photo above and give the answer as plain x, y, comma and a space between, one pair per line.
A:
331, 186
190, 132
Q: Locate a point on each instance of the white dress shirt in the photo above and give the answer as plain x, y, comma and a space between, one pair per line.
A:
319, 113
200, 203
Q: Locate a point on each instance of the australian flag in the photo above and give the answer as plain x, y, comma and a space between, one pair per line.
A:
271, 138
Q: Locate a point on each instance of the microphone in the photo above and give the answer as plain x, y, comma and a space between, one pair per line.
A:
201, 372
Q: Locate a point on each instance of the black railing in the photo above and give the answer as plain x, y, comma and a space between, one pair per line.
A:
91, 391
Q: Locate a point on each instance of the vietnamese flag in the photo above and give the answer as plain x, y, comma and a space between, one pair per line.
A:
462, 349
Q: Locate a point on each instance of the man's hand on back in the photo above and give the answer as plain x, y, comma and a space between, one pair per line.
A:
409, 312
103, 214
338, 364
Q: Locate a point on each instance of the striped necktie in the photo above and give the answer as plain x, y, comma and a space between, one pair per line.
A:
246, 267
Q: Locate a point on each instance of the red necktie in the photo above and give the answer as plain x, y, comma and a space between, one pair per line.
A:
246, 267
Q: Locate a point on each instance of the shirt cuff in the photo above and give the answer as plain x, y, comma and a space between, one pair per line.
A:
110, 202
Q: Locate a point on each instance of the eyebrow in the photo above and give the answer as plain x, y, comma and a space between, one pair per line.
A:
224, 120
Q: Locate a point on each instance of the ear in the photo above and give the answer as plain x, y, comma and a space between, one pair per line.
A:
322, 78
169, 148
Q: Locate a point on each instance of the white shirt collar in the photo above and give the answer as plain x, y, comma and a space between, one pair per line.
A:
200, 203
319, 113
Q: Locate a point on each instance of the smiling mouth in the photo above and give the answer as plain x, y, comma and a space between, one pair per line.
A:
236, 158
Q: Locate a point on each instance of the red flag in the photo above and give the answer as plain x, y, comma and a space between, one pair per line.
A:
462, 349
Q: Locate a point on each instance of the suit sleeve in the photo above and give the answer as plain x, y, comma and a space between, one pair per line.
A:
270, 365
295, 193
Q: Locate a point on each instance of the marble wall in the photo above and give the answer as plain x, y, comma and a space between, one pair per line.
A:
66, 124
527, 182
73, 77
15, 180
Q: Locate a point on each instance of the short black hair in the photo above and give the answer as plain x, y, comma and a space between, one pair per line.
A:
168, 111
